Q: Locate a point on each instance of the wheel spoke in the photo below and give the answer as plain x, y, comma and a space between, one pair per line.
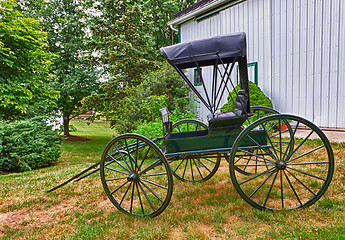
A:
115, 170
260, 147
136, 156
119, 163
130, 210
258, 175
281, 188
205, 166
155, 174
118, 188
198, 168
293, 189
191, 168
129, 155
185, 168
251, 195
302, 155
300, 144
124, 195
266, 159
141, 204
153, 165
275, 156
113, 179
209, 160
254, 165
146, 197
179, 165
291, 140
154, 183
152, 191
308, 174
123, 157
144, 158
301, 183
269, 192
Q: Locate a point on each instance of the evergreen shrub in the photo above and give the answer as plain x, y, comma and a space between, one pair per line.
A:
257, 98
27, 145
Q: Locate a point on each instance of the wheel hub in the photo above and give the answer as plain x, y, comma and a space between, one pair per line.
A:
281, 165
133, 178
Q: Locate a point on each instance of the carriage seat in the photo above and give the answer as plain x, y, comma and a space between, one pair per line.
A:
232, 118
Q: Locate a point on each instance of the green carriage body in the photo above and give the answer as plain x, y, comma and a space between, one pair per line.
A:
212, 140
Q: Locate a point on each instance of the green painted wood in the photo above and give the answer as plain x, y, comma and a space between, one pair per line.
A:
209, 139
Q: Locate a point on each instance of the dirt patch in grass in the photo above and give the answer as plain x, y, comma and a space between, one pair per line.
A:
12, 217
176, 233
72, 138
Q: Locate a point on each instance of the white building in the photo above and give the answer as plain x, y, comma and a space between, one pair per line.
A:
296, 50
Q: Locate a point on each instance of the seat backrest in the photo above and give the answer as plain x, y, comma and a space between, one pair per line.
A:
241, 101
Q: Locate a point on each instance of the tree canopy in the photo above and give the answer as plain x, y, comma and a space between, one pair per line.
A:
75, 75
24, 65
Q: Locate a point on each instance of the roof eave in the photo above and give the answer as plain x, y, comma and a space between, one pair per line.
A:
188, 16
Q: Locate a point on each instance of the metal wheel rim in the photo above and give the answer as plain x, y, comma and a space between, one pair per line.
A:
191, 125
136, 176
293, 180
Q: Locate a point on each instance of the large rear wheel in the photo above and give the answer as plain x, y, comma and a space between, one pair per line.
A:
293, 168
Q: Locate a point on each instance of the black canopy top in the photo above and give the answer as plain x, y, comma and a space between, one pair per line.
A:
206, 51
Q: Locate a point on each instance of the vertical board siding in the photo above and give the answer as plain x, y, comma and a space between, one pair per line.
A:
299, 46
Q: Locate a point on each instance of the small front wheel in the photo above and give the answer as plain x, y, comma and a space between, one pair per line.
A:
136, 176
293, 168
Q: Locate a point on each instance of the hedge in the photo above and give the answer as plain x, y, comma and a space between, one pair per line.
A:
27, 145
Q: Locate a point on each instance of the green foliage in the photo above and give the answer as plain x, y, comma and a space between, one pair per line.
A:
257, 98
27, 145
128, 34
160, 88
75, 75
24, 65
154, 129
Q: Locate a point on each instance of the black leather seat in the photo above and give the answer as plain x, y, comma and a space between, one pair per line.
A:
233, 118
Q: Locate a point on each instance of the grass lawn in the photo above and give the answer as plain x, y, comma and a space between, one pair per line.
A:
209, 210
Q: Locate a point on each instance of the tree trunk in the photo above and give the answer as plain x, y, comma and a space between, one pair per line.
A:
66, 125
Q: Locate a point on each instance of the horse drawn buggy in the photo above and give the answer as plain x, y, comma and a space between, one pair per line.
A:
276, 161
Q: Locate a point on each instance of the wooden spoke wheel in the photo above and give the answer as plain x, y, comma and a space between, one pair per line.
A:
196, 167
259, 112
136, 176
188, 125
193, 167
293, 169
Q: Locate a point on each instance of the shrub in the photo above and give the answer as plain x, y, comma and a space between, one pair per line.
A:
160, 88
27, 145
257, 98
154, 129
